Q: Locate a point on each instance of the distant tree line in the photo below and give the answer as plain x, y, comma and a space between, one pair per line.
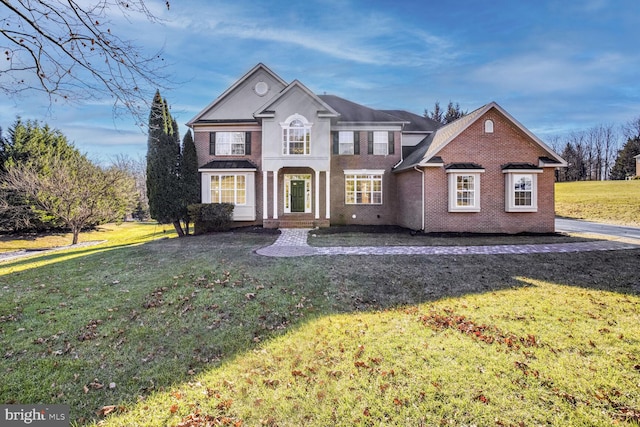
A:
598, 153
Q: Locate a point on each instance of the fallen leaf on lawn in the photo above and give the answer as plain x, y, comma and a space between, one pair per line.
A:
106, 410
96, 385
173, 409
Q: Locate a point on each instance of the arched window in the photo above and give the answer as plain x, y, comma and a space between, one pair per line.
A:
488, 126
296, 136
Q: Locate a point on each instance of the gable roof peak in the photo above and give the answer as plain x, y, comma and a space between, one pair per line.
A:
434, 143
266, 111
259, 66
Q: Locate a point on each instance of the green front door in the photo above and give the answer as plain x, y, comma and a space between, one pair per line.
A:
297, 196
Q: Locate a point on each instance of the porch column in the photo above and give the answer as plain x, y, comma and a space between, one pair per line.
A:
317, 192
328, 195
265, 194
275, 194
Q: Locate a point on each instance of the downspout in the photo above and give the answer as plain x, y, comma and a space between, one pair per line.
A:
422, 195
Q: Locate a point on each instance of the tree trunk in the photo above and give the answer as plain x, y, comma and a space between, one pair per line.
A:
178, 226
76, 234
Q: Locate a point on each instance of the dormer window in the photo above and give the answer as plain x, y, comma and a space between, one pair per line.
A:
488, 126
296, 136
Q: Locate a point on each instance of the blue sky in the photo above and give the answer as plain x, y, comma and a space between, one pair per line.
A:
556, 65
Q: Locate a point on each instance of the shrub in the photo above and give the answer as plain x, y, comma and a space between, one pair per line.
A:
209, 217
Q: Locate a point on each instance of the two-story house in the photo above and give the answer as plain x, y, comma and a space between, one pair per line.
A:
285, 157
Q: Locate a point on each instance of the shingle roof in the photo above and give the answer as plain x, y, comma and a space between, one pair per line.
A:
229, 164
434, 143
517, 166
352, 112
463, 166
416, 123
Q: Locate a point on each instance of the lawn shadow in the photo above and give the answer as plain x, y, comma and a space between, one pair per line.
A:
193, 304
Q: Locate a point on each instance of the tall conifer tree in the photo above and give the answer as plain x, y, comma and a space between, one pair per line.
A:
189, 174
164, 187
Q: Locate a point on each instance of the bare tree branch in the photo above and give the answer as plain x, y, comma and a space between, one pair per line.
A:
68, 51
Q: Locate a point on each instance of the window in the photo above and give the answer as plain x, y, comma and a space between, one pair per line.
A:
464, 191
229, 143
229, 189
363, 188
521, 192
488, 126
381, 143
296, 136
346, 142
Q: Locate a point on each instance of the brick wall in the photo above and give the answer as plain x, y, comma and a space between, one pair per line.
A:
409, 199
384, 214
507, 144
201, 141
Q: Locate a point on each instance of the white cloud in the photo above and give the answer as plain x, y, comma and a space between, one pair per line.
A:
545, 73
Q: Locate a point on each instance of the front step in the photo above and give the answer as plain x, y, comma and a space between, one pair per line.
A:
295, 223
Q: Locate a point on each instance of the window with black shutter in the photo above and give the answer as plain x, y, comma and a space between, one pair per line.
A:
247, 143
212, 143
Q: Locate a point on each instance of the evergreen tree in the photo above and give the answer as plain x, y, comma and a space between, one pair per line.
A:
164, 188
625, 164
436, 114
189, 175
453, 112
34, 145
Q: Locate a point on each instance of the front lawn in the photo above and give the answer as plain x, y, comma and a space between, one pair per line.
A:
614, 202
181, 331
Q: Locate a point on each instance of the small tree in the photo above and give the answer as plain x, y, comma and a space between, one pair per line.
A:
75, 192
189, 175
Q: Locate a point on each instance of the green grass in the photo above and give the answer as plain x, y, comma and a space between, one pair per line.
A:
123, 232
615, 202
202, 327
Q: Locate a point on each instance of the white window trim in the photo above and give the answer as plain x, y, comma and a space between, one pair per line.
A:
488, 126
453, 189
368, 172
235, 187
307, 191
381, 139
509, 197
345, 140
230, 143
286, 128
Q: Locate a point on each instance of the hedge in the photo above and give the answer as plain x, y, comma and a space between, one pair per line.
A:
208, 217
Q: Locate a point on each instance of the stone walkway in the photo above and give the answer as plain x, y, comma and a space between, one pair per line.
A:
293, 242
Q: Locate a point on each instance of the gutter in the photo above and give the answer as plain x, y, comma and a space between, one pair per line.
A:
422, 194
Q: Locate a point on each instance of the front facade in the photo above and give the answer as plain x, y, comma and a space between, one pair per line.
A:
287, 157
